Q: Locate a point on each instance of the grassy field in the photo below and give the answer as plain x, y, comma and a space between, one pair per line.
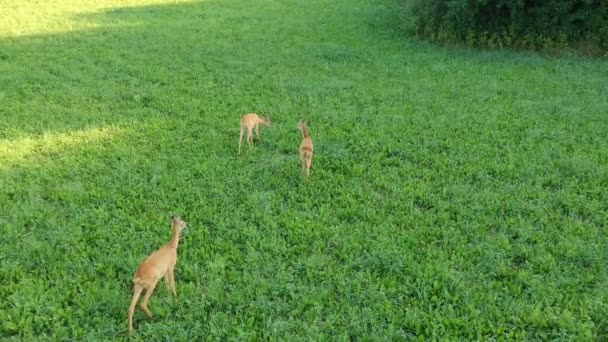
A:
455, 194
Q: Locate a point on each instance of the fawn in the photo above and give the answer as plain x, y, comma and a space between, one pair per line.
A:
158, 264
306, 149
251, 121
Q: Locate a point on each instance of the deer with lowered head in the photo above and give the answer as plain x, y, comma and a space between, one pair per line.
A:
250, 122
159, 264
306, 149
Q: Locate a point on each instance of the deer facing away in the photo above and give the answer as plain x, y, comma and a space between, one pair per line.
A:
306, 149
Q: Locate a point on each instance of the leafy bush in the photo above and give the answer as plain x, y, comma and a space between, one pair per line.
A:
535, 24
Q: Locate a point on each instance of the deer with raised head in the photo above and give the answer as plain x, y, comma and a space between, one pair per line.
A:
159, 264
250, 122
306, 149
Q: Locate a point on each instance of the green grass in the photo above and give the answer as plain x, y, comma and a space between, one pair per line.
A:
455, 194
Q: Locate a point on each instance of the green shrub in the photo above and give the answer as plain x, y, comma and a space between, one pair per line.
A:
535, 24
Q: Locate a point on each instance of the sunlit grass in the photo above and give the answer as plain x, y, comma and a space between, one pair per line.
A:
35, 17
17, 152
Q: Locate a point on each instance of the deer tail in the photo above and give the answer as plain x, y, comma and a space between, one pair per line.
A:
304, 130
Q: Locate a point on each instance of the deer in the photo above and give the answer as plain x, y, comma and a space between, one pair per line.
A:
159, 264
306, 149
250, 122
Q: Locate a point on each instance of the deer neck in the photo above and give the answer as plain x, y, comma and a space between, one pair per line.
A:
174, 238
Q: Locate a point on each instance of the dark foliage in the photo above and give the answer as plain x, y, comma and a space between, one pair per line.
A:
536, 24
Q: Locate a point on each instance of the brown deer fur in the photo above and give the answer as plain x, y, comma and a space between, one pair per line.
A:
158, 264
250, 122
306, 149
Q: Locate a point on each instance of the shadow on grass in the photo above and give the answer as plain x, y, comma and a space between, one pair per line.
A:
213, 60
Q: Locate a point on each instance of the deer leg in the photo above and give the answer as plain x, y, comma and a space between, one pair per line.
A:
250, 137
241, 139
172, 281
307, 168
144, 304
136, 293
168, 282
309, 164
303, 161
